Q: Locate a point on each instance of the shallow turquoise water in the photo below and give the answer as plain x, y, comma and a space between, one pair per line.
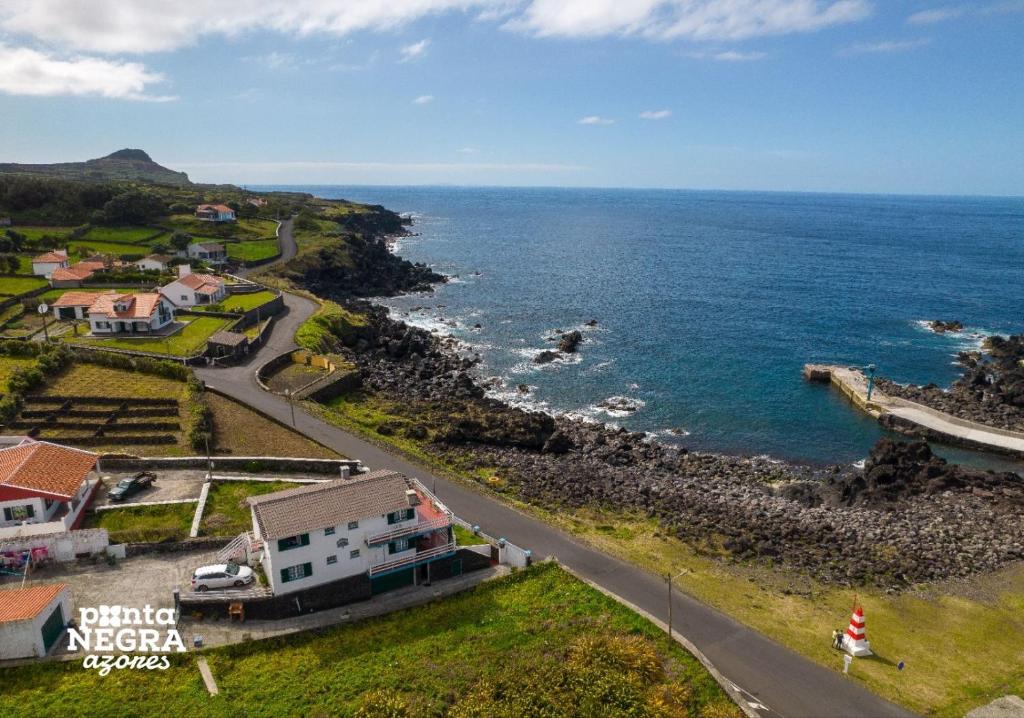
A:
709, 303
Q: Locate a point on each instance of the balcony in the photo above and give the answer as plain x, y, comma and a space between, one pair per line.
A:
409, 530
416, 559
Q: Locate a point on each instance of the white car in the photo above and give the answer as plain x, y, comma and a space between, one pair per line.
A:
221, 575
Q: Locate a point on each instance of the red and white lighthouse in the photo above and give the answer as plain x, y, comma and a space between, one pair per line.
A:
855, 641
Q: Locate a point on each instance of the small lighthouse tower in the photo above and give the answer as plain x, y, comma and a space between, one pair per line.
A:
854, 641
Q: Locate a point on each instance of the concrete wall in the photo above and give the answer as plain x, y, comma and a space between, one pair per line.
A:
60, 546
332, 468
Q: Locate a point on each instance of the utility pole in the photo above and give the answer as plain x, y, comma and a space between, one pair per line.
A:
669, 578
871, 369
291, 404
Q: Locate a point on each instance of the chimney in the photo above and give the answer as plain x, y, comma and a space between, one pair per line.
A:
184, 270
412, 497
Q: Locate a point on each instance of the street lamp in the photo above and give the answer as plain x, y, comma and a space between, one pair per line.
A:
669, 579
43, 309
871, 369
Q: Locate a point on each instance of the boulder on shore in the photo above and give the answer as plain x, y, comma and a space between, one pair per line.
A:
941, 327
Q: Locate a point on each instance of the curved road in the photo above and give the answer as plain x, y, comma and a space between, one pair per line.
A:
778, 681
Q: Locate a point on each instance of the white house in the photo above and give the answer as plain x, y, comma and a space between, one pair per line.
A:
33, 619
194, 288
375, 524
44, 483
211, 252
154, 262
75, 304
46, 264
140, 313
215, 213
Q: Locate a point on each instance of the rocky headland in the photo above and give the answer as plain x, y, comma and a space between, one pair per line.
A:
906, 517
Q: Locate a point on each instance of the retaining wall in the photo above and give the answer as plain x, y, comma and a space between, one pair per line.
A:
245, 464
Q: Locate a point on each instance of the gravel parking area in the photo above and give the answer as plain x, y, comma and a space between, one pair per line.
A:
169, 486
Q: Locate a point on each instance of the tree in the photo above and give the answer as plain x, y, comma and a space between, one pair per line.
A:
133, 207
180, 240
159, 248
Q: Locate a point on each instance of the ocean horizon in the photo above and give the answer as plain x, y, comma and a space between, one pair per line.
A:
708, 303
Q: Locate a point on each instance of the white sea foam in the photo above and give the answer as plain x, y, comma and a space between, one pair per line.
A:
619, 406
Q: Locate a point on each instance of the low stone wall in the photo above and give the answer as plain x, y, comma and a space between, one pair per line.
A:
338, 380
245, 464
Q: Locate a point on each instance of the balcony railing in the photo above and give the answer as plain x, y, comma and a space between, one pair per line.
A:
414, 560
409, 530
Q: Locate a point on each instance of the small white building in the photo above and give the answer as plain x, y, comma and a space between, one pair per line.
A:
215, 213
209, 252
375, 524
44, 483
33, 619
192, 289
141, 313
75, 304
46, 264
154, 262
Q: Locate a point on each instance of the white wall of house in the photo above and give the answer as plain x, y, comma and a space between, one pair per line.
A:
323, 543
164, 315
184, 296
79, 312
198, 251
24, 639
14, 512
46, 269
151, 265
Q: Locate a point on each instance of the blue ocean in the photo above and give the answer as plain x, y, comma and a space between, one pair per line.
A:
708, 304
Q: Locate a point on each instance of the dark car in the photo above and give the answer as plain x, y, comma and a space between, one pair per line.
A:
131, 485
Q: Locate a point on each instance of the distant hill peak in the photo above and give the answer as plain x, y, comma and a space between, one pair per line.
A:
128, 154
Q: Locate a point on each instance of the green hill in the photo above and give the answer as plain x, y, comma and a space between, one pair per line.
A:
126, 164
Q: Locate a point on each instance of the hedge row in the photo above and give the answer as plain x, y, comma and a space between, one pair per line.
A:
199, 430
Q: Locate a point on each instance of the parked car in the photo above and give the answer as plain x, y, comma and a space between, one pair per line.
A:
221, 575
132, 485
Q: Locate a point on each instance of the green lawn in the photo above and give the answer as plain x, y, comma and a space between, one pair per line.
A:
128, 235
11, 286
9, 365
242, 229
88, 247
253, 251
34, 233
185, 342
239, 302
170, 522
465, 537
537, 643
227, 513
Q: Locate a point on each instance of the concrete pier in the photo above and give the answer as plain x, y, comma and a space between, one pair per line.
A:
909, 417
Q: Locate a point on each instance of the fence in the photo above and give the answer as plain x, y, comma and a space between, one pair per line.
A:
508, 553
64, 546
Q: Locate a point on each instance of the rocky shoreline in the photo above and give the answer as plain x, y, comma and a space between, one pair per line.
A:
990, 390
906, 518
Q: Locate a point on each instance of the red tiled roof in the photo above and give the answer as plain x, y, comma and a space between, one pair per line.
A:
218, 207
79, 299
140, 306
198, 281
45, 467
20, 604
50, 257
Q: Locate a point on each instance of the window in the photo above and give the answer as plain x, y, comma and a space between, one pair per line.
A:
353, 554
184, 297
353, 525
399, 545
19, 513
329, 531
403, 515
342, 542
332, 559
294, 573
292, 542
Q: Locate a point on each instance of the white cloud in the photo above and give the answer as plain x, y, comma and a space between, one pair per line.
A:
935, 15
595, 120
141, 26
277, 60
655, 114
423, 100
885, 47
736, 56
694, 19
414, 51
24, 71
467, 150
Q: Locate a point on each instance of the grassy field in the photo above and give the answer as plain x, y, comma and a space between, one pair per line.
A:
253, 251
537, 643
960, 641
34, 233
88, 247
129, 235
9, 365
239, 431
140, 524
186, 342
227, 513
243, 229
241, 302
13, 286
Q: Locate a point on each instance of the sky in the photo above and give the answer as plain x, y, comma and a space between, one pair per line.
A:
900, 96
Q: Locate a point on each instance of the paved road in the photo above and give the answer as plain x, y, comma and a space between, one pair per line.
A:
785, 683
285, 241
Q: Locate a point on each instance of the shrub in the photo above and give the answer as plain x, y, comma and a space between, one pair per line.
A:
199, 431
382, 704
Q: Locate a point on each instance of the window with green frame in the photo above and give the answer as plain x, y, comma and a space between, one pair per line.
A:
399, 545
294, 573
292, 542
404, 515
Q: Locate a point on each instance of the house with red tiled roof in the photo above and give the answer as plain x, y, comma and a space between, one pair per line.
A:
135, 313
215, 213
194, 288
210, 252
46, 264
44, 483
75, 304
32, 619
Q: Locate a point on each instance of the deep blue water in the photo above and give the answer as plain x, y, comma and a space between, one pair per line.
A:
710, 303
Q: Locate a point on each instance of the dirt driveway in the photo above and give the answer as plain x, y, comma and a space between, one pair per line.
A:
169, 486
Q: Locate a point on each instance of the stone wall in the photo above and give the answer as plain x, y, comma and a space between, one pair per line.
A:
247, 464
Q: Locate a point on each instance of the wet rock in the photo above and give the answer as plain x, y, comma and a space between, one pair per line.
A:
546, 357
570, 341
